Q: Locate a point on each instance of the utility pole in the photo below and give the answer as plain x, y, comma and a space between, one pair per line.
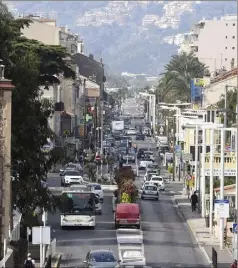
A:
102, 113
225, 115
174, 156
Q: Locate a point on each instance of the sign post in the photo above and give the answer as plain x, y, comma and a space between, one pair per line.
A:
41, 236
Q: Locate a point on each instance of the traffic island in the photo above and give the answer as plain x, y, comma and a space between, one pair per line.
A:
56, 260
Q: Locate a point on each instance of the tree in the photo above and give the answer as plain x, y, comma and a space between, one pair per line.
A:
175, 85
30, 65
231, 106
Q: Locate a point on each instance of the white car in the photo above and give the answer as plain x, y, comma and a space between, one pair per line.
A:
97, 190
158, 180
98, 206
131, 131
151, 173
150, 191
144, 162
71, 177
150, 154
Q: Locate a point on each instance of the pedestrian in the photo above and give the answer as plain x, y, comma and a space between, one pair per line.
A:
29, 262
194, 201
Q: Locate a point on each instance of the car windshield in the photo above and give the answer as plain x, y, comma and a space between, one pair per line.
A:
153, 166
102, 257
150, 188
152, 172
96, 186
72, 173
74, 203
149, 153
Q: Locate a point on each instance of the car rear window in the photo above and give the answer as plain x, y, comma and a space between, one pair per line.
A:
97, 187
151, 188
72, 173
102, 257
157, 179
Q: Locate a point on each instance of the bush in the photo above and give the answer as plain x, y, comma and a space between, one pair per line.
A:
170, 169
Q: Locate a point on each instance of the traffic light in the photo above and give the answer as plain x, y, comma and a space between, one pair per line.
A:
188, 168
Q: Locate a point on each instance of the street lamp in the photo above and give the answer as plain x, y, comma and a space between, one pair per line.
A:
152, 104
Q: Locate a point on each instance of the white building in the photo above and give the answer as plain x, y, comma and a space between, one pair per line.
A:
214, 42
214, 91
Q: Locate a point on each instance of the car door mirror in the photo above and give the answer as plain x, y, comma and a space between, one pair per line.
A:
85, 262
119, 261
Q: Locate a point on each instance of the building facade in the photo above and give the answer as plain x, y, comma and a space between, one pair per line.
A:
5, 161
213, 92
215, 48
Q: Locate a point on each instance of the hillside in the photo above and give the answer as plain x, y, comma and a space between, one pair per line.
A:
132, 36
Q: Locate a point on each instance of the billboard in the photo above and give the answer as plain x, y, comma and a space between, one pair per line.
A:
196, 86
117, 125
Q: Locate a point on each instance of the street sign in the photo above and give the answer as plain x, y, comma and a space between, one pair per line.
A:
41, 235
177, 148
234, 228
187, 157
66, 132
231, 172
98, 157
222, 208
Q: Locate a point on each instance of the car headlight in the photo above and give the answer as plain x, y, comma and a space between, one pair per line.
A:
117, 266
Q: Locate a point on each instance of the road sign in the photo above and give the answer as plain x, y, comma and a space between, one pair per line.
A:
98, 157
177, 148
41, 235
187, 157
234, 228
222, 208
66, 132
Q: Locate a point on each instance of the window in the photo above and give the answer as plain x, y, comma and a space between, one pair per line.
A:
233, 47
226, 24
225, 47
225, 59
233, 37
226, 37
234, 24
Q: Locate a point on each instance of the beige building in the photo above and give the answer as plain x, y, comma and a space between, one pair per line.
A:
5, 162
213, 92
46, 31
214, 42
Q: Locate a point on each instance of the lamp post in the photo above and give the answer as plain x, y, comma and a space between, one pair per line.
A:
151, 110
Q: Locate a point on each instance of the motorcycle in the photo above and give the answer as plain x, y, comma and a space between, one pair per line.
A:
234, 264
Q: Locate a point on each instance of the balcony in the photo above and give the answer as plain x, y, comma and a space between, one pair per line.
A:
229, 163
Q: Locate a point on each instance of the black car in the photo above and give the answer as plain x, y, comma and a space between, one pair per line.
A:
140, 137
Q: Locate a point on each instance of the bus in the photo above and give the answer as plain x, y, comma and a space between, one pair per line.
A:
78, 208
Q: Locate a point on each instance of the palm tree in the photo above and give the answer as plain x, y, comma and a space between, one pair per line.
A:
175, 85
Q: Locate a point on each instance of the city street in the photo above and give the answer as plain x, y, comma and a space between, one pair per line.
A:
167, 240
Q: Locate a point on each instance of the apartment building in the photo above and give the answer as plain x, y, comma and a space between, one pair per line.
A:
46, 31
214, 42
5, 167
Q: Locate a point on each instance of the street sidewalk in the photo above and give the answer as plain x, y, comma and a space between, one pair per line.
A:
204, 239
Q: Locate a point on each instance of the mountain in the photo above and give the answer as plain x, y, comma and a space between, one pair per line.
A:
130, 36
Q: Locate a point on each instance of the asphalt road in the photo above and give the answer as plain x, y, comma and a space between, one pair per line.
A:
167, 240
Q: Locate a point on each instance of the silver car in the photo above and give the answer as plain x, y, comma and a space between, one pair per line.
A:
101, 258
150, 191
